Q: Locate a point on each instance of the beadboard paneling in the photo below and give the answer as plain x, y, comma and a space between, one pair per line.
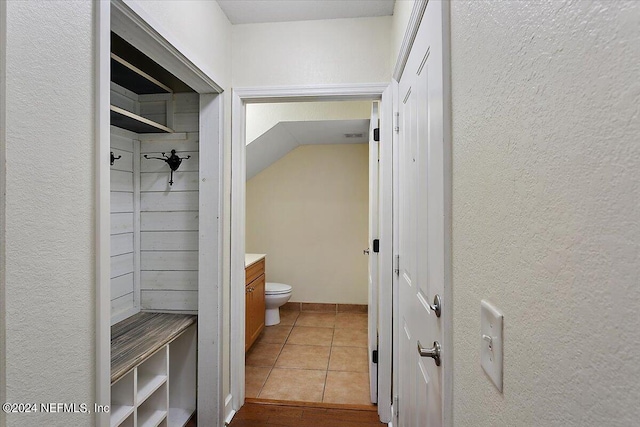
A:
124, 199
169, 201
121, 244
160, 181
121, 264
165, 221
169, 214
169, 260
169, 280
121, 285
121, 223
121, 181
170, 300
169, 241
121, 202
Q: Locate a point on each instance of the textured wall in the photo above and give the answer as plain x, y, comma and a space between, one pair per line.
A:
309, 213
312, 52
50, 276
546, 209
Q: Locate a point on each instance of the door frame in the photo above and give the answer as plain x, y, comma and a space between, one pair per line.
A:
241, 97
417, 13
141, 30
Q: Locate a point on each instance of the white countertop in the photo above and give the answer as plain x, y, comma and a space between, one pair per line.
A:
250, 259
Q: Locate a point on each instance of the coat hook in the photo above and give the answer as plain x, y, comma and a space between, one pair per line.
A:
173, 161
114, 158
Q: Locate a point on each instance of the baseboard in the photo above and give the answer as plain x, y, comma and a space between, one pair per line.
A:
229, 412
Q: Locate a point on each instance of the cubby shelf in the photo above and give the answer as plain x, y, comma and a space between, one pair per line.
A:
147, 384
119, 413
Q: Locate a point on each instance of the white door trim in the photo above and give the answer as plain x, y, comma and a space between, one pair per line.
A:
3, 40
411, 31
240, 97
139, 28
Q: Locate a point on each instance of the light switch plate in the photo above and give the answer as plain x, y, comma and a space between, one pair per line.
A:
491, 320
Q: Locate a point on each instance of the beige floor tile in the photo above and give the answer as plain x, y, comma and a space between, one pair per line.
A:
255, 377
308, 335
321, 320
347, 388
304, 357
262, 354
275, 334
352, 359
294, 384
351, 321
350, 338
288, 317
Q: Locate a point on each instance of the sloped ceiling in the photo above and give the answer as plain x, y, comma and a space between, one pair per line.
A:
286, 136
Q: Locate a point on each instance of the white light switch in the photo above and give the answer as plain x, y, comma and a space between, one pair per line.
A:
491, 342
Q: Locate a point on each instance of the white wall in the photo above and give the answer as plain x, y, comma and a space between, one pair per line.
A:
546, 210
49, 241
262, 117
312, 52
3, 28
309, 213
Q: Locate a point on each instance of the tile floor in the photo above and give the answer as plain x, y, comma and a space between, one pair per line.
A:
311, 357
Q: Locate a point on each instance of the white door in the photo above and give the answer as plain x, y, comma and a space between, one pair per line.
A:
373, 256
421, 226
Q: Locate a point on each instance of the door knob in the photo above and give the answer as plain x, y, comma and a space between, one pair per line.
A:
433, 352
437, 305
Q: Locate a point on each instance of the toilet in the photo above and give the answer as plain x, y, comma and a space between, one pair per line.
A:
276, 295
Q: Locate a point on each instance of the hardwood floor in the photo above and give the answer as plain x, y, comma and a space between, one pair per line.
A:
285, 415
270, 415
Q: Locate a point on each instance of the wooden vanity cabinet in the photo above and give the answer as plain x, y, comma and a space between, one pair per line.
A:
254, 302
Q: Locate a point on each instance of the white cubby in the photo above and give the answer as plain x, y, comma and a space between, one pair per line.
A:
161, 390
122, 399
152, 373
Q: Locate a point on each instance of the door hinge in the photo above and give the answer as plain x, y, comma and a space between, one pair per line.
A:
396, 267
396, 406
374, 356
376, 134
376, 245
396, 128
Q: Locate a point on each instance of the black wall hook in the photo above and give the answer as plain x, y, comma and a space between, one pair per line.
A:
173, 161
114, 158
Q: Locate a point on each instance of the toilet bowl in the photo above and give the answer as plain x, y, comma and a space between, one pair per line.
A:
275, 295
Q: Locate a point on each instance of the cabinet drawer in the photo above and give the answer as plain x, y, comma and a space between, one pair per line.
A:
254, 271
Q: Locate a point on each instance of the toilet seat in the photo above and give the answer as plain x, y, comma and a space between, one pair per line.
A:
272, 288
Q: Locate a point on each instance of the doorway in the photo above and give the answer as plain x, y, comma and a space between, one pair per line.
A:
238, 233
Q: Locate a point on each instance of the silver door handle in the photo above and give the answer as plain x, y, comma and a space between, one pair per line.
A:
437, 305
433, 352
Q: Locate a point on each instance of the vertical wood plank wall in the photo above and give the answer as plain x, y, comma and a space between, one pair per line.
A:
169, 214
123, 224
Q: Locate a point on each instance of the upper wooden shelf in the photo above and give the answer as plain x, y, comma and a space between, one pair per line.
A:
134, 79
127, 120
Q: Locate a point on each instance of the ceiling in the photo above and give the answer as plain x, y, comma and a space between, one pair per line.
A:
275, 143
254, 11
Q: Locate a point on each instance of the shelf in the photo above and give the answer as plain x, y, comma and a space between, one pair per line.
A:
178, 417
147, 384
127, 120
137, 81
119, 413
151, 418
